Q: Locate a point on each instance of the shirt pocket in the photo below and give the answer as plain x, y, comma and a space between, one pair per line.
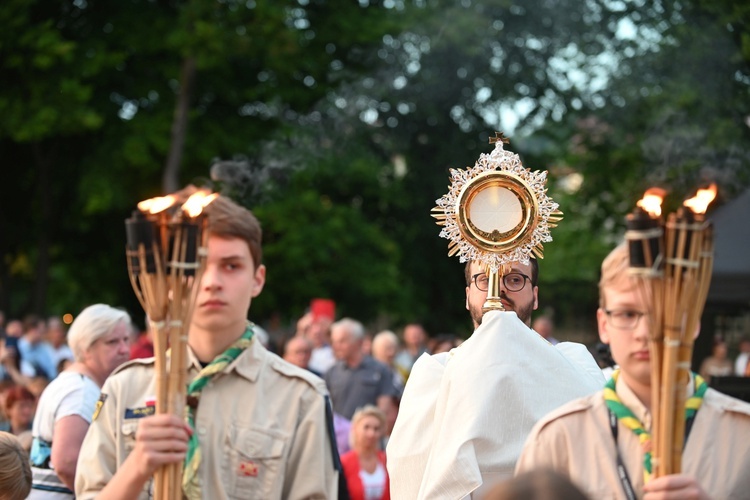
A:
256, 459
128, 430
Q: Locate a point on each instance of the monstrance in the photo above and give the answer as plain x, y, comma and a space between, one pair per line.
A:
496, 213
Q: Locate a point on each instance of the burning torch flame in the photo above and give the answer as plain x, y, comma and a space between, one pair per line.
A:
651, 201
699, 203
156, 205
197, 202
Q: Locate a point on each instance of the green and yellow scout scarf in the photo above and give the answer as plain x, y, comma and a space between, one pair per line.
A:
190, 481
629, 420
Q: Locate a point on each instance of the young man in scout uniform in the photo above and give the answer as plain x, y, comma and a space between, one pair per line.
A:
602, 441
258, 428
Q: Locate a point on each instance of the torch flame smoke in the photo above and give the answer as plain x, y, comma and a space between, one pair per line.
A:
651, 201
699, 203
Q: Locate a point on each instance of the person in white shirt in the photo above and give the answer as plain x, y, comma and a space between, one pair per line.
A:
100, 338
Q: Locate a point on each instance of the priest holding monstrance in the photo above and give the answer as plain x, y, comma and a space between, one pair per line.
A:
465, 414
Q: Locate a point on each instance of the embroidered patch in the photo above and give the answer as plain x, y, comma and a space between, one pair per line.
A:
139, 412
99, 404
248, 469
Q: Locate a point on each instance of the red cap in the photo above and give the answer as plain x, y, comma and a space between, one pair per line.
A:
323, 308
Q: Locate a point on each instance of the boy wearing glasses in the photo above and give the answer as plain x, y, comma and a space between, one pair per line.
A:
465, 414
605, 449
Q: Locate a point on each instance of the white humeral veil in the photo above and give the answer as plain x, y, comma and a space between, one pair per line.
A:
465, 415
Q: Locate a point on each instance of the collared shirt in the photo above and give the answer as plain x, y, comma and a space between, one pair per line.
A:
465, 414
261, 424
354, 387
577, 441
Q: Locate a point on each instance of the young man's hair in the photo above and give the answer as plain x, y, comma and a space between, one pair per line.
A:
226, 219
15, 471
534, 271
539, 484
614, 270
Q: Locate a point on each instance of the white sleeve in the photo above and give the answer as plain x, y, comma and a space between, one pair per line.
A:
81, 400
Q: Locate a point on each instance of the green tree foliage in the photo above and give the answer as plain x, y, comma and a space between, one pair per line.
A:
349, 115
86, 126
608, 96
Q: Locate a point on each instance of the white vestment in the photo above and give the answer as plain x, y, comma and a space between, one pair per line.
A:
465, 415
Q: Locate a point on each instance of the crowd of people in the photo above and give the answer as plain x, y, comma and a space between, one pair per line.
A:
335, 411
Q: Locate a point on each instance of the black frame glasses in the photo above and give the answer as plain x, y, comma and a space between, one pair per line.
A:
624, 319
513, 282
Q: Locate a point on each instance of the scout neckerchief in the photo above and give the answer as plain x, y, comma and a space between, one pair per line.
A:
618, 411
190, 481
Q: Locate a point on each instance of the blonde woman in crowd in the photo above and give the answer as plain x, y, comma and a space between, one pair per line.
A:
15, 473
100, 340
364, 466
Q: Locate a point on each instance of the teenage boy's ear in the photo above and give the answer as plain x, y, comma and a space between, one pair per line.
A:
259, 279
601, 322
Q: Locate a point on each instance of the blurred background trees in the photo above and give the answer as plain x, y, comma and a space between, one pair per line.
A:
337, 121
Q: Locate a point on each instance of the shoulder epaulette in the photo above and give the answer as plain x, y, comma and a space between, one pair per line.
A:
726, 402
134, 362
575, 406
289, 370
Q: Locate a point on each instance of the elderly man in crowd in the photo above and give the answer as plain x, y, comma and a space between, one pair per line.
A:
356, 380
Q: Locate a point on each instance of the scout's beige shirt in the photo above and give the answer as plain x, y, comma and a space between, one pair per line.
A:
261, 426
576, 440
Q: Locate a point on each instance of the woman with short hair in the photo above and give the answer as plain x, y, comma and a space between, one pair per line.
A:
19, 407
99, 338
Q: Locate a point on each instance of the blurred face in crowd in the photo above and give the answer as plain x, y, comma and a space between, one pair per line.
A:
414, 335
109, 351
367, 433
298, 351
345, 347
230, 282
14, 328
384, 350
543, 326
523, 302
56, 333
21, 414
317, 331
720, 350
36, 332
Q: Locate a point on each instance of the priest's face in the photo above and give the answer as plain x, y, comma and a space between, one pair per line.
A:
522, 302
